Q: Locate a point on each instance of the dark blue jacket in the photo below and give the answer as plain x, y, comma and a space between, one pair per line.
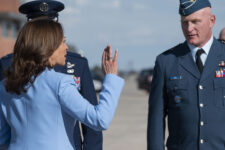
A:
78, 66
5, 62
193, 102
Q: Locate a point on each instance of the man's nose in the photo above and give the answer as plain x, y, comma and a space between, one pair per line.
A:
189, 27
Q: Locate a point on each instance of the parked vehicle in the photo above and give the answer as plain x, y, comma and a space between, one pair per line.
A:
98, 78
144, 79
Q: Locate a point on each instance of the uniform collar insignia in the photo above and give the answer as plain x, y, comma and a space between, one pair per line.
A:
69, 65
70, 71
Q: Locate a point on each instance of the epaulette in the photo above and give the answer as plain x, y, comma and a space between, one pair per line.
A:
72, 54
8, 56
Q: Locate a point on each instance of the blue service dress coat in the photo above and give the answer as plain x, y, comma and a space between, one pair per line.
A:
44, 117
193, 102
77, 66
1, 71
5, 62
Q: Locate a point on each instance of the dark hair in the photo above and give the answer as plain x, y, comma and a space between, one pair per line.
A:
36, 42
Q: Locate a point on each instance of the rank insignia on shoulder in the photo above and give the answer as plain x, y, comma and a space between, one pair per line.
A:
220, 73
77, 82
222, 64
70, 71
69, 65
175, 78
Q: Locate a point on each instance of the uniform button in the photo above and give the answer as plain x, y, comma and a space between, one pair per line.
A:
200, 87
201, 105
201, 141
202, 123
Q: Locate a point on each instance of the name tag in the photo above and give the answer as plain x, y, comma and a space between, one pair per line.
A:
175, 78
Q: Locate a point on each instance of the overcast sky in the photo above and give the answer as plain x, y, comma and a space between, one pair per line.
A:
140, 29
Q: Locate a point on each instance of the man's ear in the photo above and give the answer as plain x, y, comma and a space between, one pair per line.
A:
212, 20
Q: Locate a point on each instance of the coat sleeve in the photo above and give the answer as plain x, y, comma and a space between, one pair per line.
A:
98, 116
5, 132
93, 140
157, 110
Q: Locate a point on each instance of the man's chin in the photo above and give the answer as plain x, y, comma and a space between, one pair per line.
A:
192, 42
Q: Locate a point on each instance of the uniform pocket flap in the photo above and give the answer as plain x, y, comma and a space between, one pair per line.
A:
219, 83
177, 84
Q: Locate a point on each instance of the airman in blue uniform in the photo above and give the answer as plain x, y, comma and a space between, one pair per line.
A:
189, 87
222, 36
75, 65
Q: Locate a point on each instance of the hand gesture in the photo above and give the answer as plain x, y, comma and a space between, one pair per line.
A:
109, 63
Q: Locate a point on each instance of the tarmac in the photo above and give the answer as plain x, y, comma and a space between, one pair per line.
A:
128, 128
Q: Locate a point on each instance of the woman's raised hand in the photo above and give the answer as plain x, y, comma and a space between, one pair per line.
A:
109, 63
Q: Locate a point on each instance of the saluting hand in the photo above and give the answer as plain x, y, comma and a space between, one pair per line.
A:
109, 63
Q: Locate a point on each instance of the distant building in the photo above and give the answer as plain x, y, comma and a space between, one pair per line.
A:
10, 23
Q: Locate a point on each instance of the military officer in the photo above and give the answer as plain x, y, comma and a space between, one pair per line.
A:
75, 65
222, 36
189, 86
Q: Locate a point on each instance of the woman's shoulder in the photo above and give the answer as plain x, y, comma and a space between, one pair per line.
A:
49, 80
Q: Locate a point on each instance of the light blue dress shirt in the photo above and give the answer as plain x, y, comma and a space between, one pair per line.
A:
44, 117
206, 48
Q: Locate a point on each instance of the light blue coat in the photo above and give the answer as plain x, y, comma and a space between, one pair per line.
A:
44, 117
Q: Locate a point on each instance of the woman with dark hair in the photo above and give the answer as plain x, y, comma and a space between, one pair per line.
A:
39, 107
